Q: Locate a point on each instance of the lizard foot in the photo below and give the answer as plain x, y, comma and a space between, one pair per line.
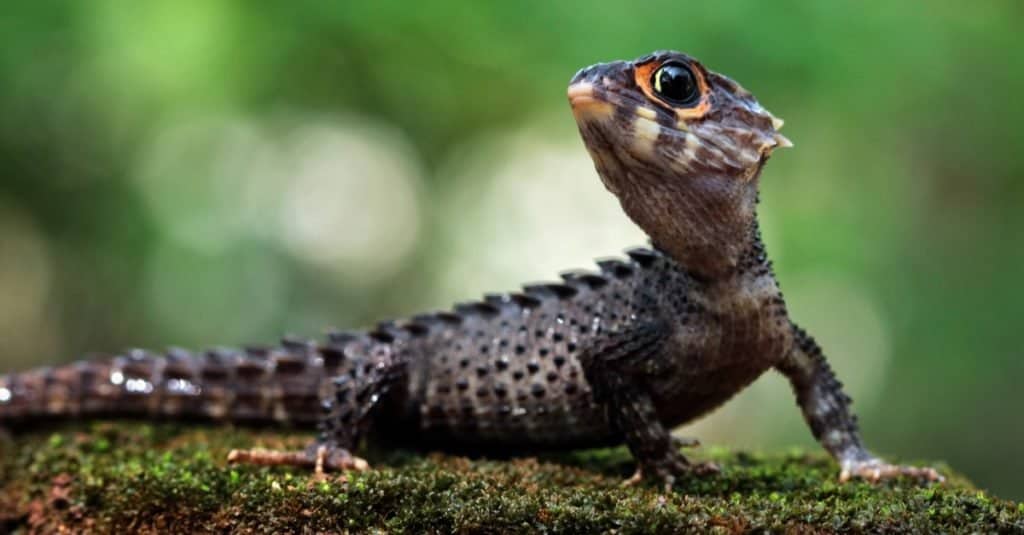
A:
321, 458
670, 470
875, 470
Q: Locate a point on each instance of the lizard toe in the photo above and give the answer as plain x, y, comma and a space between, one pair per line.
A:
876, 470
321, 458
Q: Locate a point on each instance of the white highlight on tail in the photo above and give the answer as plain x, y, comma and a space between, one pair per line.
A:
5, 395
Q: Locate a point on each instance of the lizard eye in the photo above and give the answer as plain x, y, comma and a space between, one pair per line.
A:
675, 83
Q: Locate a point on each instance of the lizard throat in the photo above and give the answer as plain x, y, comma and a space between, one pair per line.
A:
703, 224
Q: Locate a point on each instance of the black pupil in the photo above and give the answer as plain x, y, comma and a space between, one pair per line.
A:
675, 82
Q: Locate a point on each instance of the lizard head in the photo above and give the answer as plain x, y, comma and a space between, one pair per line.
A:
682, 147
667, 111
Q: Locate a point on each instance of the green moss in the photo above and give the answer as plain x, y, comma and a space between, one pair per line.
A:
166, 477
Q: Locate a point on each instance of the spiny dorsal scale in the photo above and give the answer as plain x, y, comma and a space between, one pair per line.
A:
593, 281
180, 364
393, 328
476, 308
525, 300
289, 363
178, 355
382, 336
563, 291
342, 337
450, 318
550, 290
497, 300
487, 309
218, 358
643, 256
402, 331
249, 368
137, 355
333, 355
257, 352
427, 320
416, 328
297, 343
137, 362
615, 267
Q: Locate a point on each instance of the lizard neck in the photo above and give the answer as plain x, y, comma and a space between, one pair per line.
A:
707, 224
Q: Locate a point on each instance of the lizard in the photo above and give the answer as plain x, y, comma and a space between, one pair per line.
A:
621, 354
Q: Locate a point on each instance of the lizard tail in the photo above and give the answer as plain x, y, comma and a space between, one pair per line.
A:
278, 384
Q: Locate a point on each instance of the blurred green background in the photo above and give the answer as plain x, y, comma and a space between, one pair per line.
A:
195, 173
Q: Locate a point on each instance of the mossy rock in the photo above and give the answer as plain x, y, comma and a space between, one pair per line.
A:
168, 478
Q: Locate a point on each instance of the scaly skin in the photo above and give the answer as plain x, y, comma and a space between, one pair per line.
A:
620, 355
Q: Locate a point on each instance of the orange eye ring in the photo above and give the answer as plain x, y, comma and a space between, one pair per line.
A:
644, 74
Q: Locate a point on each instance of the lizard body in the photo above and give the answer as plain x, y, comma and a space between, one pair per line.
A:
620, 354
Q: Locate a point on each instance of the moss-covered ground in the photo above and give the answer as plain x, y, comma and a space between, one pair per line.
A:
133, 477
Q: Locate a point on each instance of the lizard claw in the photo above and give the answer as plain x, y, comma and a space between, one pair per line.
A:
634, 479
875, 470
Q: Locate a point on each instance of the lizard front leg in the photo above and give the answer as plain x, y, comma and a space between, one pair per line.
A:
826, 408
617, 369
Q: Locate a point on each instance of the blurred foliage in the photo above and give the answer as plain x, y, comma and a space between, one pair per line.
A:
186, 172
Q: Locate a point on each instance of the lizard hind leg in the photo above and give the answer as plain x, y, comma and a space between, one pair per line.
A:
348, 402
331, 452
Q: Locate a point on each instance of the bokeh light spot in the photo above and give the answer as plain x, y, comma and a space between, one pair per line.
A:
26, 280
211, 182
352, 201
526, 207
